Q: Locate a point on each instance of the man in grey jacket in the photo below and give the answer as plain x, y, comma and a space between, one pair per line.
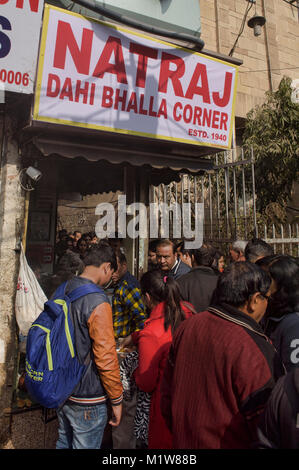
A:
168, 260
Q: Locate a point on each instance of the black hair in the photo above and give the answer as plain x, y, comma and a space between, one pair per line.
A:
216, 259
68, 266
81, 240
103, 242
100, 254
121, 257
152, 246
181, 246
86, 235
284, 270
72, 262
204, 256
162, 288
257, 248
62, 233
239, 281
166, 242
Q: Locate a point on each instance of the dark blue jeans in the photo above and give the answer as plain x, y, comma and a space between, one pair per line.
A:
80, 426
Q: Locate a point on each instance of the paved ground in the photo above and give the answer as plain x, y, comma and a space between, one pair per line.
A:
28, 431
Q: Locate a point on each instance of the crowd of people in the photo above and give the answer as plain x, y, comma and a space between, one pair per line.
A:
201, 353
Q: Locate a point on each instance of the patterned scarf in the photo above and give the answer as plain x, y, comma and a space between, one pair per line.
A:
127, 367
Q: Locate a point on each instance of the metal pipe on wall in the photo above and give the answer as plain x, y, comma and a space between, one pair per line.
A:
267, 48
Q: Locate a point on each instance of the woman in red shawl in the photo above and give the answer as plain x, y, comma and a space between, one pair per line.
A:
161, 295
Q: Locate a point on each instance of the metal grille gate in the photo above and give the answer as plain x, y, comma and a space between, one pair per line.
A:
228, 193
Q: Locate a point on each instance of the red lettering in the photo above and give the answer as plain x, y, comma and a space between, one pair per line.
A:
132, 103
197, 116
65, 39
92, 92
81, 91
216, 116
203, 90
207, 117
162, 109
141, 109
180, 106
151, 112
2, 2
227, 91
223, 121
107, 101
174, 75
121, 99
113, 45
53, 79
187, 114
144, 53
20, 4
66, 90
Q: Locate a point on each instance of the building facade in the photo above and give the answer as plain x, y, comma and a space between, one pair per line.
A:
263, 60
266, 58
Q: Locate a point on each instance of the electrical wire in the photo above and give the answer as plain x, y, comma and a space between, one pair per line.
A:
266, 70
248, 8
292, 3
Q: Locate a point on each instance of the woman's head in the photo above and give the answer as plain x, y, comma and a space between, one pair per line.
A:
156, 287
82, 245
218, 262
284, 272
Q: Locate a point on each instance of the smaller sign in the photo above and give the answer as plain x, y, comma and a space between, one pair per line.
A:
295, 91
20, 22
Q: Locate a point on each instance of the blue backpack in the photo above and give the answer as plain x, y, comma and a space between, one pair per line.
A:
52, 368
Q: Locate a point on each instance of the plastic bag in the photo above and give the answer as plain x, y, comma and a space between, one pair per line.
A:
30, 297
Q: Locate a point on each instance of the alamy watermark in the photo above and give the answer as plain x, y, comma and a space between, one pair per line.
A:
152, 222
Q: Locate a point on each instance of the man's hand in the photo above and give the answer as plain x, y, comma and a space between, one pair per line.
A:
116, 415
125, 342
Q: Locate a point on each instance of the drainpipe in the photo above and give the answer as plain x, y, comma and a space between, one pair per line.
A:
217, 26
267, 49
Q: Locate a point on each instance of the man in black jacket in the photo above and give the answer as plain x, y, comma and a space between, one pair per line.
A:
198, 285
279, 426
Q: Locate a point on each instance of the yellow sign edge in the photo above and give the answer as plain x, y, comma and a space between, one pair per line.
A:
233, 109
125, 131
41, 60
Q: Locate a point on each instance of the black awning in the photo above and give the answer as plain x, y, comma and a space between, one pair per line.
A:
101, 157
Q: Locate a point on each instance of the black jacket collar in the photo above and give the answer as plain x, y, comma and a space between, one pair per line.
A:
236, 316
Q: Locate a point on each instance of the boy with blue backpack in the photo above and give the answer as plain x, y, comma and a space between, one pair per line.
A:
71, 359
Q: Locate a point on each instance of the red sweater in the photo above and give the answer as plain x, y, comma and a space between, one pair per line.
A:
153, 346
217, 380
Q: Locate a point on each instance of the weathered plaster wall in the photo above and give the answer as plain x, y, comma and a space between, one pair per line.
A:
11, 222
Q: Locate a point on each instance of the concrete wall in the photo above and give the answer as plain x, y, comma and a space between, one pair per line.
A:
11, 226
266, 58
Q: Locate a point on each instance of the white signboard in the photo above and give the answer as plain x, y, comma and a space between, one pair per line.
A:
295, 91
100, 76
20, 22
